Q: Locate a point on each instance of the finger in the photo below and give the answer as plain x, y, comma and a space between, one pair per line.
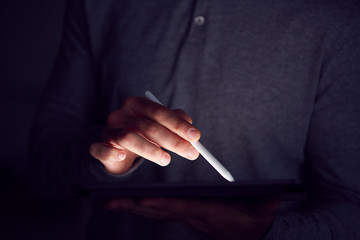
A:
138, 145
181, 113
116, 160
163, 137
164, 116
107, 153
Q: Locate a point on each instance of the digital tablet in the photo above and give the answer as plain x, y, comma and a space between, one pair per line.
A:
285, 189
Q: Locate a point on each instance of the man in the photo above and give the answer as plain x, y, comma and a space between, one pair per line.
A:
272, 86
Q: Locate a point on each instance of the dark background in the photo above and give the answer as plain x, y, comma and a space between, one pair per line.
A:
30, 32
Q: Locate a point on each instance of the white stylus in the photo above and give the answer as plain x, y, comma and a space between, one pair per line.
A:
201, 149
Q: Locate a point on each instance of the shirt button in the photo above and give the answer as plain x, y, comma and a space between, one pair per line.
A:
199, 20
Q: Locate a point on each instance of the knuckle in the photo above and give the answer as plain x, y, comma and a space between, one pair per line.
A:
149, 128
133, 122
178, 125
140, 148
125, 138
129, 140
181, 145
155, 152
183, 115
157, 113
130, 102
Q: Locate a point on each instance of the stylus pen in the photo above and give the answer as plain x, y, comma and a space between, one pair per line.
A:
201, 149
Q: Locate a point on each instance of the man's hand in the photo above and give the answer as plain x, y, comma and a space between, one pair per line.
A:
243, 219
142, 128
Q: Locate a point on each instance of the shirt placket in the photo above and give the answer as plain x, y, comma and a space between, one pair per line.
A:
199, 23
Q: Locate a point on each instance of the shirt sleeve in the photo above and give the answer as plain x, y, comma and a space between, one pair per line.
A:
70, 116
332, 156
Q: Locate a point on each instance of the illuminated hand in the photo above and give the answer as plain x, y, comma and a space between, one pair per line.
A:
242, 219
141, 128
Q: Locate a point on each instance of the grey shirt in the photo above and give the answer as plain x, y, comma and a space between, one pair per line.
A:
274, 87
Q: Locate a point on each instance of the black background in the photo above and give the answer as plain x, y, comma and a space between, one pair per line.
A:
30, 32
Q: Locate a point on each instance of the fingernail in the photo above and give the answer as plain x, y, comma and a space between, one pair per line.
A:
165, 159
192, 153
193, 134
121, 156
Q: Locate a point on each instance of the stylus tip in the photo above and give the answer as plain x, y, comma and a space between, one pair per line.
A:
228, 177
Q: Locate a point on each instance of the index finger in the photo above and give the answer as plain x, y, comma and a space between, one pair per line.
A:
164, 116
